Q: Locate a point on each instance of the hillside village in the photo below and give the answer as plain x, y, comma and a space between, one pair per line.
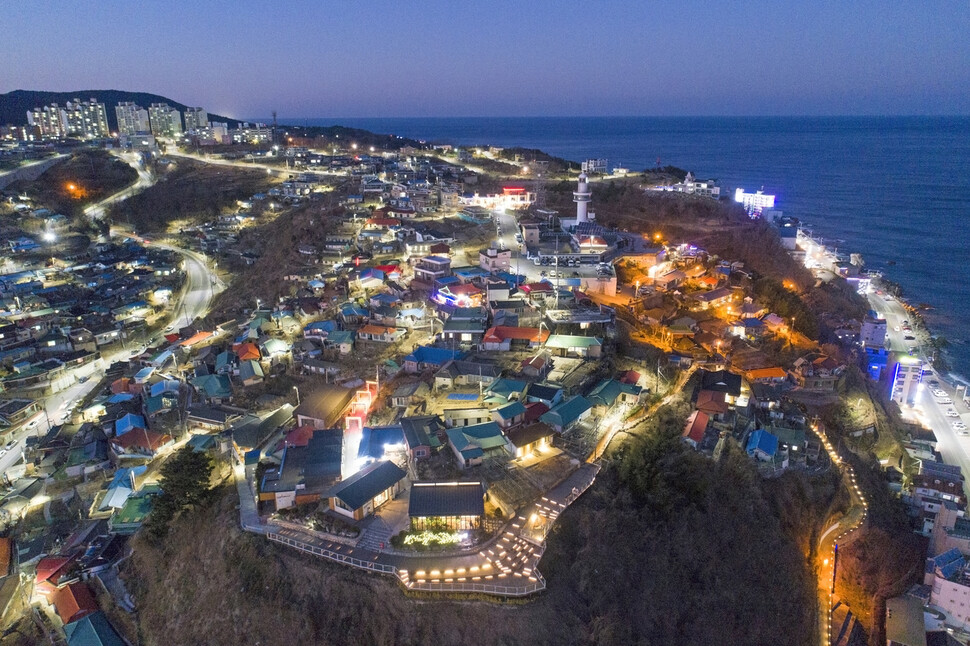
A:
434, 376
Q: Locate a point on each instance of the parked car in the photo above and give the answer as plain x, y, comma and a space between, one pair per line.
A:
950, 412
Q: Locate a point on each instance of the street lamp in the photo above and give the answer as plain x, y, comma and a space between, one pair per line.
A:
297, 391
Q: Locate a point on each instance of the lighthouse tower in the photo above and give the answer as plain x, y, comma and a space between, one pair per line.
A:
582, 196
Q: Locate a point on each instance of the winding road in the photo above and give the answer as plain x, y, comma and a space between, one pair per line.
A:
193, 302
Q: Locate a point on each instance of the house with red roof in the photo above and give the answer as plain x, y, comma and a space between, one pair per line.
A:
139, 443
54, 572
712, 403
695, 428
505, 337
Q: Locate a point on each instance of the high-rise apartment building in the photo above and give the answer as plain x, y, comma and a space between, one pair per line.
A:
132, 119
196, 119
165, 120
51, 120
86, 119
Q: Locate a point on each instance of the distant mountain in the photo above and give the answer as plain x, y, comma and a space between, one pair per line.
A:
14, 105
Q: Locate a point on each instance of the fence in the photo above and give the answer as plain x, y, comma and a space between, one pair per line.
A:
380, 568
532, 585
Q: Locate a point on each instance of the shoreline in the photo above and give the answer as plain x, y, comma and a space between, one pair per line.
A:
888, 286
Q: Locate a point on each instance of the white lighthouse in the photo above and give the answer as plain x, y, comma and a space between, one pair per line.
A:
582, 196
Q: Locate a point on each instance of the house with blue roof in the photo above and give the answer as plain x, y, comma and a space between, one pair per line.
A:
128, 423
472, 444
762, 445
362, 493
567, 414
351, 313
376, 440
319, 329
425, 357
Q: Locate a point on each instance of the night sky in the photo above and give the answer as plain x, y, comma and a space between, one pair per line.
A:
496, 58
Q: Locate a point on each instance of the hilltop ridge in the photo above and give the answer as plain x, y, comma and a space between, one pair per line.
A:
14, 105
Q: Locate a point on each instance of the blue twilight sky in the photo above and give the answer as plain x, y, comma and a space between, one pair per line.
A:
500, 58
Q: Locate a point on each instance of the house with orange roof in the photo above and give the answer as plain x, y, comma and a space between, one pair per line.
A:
246, 351
371, 332
774, 375
74, 601
504, 337
196, 339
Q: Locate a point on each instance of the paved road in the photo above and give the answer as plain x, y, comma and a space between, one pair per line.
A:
193, 302
954, 448
145, 179
271, 169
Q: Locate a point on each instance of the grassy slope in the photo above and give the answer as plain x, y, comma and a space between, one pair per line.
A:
188, 192
95, 172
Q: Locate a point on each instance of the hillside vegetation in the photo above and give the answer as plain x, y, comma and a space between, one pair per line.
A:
88, 176
666, 547
188, 193
14, 105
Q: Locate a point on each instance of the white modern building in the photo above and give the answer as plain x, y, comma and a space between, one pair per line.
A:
595, 166
873, 332
906, 381
754, 202
50, 120
693, 186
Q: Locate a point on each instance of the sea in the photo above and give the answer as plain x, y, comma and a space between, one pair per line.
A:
896, 189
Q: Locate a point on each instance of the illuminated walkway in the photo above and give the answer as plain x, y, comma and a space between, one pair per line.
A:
507, 566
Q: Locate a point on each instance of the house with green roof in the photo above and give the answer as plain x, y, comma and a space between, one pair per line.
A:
565, 415
214, 389
362, 493
509, 415
471, 444
568, 345
421, 434
250, 372
127, 520
92, 630
610, 392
